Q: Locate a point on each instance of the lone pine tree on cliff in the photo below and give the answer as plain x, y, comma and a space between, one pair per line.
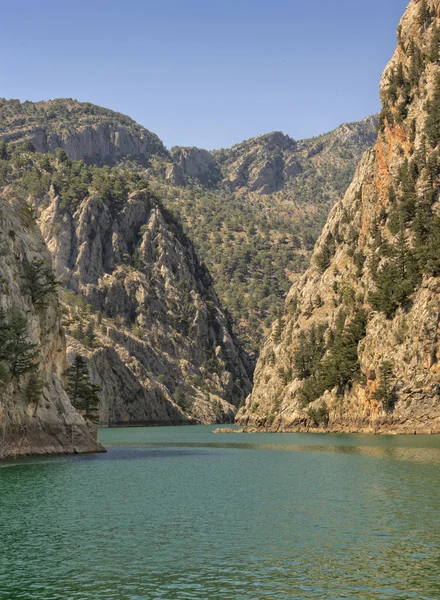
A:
82, 392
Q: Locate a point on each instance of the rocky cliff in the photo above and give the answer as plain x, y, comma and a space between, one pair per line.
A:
194, 163
36, 416
139, 304
357, 348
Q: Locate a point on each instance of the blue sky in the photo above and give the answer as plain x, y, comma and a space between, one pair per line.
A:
208, 73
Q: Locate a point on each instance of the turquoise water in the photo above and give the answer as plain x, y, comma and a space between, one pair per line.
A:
181, 513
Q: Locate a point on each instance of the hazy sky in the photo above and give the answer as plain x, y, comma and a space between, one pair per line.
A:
207, 73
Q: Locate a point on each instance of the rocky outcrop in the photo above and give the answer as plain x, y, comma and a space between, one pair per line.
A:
358, 346
193, 163
36, 416
86, 132
260, 164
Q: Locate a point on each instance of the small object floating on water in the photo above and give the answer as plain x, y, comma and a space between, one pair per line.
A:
227, 430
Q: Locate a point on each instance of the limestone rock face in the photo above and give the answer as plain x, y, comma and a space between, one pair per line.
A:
358, 346
86, 132
99, 144
165, 352
261, 164
50, 424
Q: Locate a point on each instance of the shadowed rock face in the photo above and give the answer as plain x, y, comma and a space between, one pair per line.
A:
195, 163
49, 425
358, 346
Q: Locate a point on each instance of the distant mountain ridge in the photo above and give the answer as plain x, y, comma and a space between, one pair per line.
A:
100, 136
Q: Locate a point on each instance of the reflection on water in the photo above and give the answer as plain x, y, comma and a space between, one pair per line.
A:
182, 514
133, 451
430, 455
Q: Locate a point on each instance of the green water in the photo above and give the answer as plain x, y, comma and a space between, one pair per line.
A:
181, 513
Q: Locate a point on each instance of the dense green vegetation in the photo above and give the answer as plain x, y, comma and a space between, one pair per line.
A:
410, 248
327, 359
399, 261
34, 174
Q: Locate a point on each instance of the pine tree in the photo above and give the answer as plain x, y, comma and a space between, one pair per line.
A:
82, 392
89, 334
432, 125
416, 68
15, 348
323, 258
4, 154
400, 76
402, 253
424, 14
434, 54
40, 281
22, 353
277, 330
34, 388
386, 392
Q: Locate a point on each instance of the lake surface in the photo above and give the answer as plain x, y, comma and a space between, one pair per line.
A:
181, 513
